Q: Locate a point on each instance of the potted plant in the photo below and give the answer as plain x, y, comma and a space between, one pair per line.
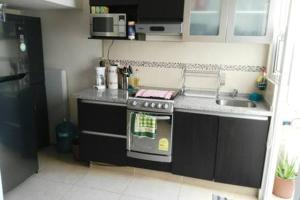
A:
286, 174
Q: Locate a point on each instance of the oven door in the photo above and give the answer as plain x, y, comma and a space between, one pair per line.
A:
110, 25
157, 149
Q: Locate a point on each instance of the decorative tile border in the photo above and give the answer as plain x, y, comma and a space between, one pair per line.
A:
190, 66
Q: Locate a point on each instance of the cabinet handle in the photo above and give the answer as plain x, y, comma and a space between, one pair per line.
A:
104, 134
279, 43
103, 103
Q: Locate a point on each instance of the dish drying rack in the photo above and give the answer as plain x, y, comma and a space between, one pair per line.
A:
218, 75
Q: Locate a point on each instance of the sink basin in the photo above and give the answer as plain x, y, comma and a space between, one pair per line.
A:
236, 103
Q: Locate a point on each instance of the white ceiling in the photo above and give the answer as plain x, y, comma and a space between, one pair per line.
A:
40, 4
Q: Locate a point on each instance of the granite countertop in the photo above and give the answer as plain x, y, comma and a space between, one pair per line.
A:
208, 104
193, 104
110, 96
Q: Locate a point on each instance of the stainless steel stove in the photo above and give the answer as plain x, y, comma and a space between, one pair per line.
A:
158, 149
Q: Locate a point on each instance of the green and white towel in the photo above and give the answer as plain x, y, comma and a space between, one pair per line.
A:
143, 125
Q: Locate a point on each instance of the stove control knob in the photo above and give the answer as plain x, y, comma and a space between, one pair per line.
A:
159, 106
152, 105
134, 103
166, 106
146, 104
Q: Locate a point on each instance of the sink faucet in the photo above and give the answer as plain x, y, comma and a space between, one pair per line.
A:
220, 84
234, 93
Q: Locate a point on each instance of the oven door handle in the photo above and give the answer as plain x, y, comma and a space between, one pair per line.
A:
162, 118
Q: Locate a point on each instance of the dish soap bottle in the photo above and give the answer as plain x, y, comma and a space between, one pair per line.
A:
261, 81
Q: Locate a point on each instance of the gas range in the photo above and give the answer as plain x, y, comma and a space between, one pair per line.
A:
157, 105
153, 103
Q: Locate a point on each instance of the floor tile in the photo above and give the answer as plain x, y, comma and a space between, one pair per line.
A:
129, 197
38, 189
153, 188
110, 180
77, 193
63, 172
190, 192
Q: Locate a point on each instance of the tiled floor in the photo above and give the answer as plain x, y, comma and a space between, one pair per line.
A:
60, 178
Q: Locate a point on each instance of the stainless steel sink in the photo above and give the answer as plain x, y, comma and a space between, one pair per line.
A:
236, 103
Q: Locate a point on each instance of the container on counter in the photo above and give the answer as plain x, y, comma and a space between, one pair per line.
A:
112, 77
93, 9
131, 30
134, 81
100, 78
103, 10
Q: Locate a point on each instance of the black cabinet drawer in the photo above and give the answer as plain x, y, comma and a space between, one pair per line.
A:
102, 149
241, 151
101, 117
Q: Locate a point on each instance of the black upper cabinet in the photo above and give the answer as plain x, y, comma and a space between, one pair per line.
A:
160, 11
148, 11
194, 145
113, 2
241, 151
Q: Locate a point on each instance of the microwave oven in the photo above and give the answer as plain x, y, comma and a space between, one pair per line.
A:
109, 25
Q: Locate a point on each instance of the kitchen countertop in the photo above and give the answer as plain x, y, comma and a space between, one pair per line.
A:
110, 96
192, 104
209, 105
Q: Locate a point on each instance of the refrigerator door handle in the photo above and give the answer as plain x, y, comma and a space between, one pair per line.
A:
12, 78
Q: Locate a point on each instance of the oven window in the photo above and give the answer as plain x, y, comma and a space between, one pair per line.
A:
103, 24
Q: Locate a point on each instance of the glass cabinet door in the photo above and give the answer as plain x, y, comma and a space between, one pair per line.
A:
251, 17
205, 17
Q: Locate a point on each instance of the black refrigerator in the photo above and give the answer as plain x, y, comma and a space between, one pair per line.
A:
21, 92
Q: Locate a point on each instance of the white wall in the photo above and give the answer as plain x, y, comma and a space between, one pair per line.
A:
192, 52
66, 46
1, 191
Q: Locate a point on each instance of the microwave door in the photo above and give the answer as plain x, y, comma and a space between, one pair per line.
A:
103, 26
107, 26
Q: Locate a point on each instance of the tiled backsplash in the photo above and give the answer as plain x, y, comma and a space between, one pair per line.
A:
170, 74
190, 66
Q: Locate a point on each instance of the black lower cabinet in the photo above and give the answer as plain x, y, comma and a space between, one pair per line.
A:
103, 149
194, 145
102, 132
241, 151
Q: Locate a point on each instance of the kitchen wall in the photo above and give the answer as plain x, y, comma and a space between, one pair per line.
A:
66, 46
192, 52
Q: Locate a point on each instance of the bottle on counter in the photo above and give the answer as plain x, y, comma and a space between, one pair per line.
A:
112, 77
131, 30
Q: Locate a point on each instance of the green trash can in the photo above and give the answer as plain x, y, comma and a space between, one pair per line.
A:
65, 133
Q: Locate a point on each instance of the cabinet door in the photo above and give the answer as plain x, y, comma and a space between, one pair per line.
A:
205, 20
102, 149
250, 21
194, 145
102, 132
101, 117
241, 151
157, 11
